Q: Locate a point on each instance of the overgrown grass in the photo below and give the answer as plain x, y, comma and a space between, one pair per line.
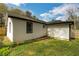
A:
48, 47
5, 51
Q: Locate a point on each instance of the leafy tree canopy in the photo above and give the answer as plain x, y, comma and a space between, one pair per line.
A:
3, 8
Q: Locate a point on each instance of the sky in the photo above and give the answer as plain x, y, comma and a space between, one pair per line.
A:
46, 11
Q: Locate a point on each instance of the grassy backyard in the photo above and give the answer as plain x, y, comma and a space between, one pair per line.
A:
47, 47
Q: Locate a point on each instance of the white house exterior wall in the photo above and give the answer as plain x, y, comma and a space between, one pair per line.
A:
19, 30
59, 31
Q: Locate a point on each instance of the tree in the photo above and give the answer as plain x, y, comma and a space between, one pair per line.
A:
73, 16
53, 20
16, 11
34, 17
3, 8
28, 14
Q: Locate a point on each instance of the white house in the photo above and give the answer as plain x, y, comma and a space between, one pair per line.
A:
20, 28
61, 29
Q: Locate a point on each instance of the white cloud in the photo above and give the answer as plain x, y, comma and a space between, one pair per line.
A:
41, 1
45, 20
62, 10
16, 4
63, 18
46, 16
13, 1
59, 18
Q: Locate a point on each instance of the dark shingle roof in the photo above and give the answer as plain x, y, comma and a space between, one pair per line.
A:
60, 22
38, 21
25, 18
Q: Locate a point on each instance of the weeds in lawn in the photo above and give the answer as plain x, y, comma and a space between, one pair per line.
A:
48, 47
4, 51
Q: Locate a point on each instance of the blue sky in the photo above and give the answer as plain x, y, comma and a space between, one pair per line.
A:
45, 11
39, 8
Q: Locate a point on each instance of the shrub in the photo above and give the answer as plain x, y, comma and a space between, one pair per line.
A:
1, 44
6, 41
4, 51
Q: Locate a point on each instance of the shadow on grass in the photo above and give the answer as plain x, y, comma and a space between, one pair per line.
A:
30, 41
7, 49
14, 44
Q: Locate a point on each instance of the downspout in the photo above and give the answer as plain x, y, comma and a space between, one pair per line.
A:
46, 30
69, 32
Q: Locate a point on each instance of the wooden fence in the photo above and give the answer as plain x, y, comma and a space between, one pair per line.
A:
77, 33
2, 31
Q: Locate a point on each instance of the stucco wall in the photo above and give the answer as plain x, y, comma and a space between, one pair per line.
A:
10, 32
58, 31
19, 30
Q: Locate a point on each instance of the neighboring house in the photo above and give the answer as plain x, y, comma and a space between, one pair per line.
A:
20, 28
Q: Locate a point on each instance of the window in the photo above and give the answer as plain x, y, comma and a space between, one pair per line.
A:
43, 25
29, 27
9, 27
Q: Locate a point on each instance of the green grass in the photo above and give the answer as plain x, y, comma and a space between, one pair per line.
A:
48, 47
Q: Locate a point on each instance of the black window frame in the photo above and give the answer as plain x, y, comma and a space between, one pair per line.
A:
29, 27
44, 25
